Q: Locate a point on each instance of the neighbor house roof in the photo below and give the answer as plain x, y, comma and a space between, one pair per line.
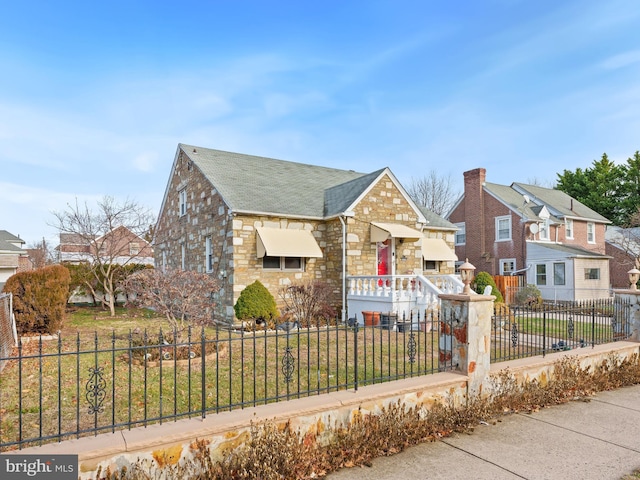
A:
559, 204
570, 250
8, 241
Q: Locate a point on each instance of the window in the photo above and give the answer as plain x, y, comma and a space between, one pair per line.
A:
183, 256
208, 255
458, 264
544, 230
558, 274
432, 265
282, 263
541, 274
164, 261
507, 266
503, 228
591, 232
183, 201
461, 234
134, 249
592, 274
568, 228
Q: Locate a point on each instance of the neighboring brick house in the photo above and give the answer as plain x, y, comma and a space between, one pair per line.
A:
552, 239
13, 257
623, 246
120, 246
243, 218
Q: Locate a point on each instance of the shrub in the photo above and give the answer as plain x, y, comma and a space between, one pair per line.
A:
39, 298
308, 302
256, 302
482, 280
530, 295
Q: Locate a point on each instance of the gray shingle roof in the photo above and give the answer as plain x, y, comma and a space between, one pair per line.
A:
572, 251
436, 221
6, 240
558, 203
265, 185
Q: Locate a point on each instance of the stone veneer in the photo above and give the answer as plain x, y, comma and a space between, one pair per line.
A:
172, 442
233, 238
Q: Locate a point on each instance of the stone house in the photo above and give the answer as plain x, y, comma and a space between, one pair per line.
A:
543, 234
243, 218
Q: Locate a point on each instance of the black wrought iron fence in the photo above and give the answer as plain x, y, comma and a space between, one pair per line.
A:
537, 330
52, 390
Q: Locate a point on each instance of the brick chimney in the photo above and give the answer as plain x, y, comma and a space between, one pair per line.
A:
474, 214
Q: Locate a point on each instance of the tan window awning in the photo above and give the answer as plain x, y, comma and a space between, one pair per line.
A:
437, 249
283, 242
381, 231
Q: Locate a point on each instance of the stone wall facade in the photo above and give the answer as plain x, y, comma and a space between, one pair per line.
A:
184, 226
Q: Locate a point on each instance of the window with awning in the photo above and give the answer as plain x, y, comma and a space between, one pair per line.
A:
437, 249
283, 242
382, 231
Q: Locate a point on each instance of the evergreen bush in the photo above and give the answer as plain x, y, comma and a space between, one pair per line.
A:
39, 298
256, 302
482, 280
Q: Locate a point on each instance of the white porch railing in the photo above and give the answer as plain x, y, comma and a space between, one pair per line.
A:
405, 295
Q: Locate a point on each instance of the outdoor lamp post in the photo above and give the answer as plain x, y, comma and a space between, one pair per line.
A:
466, 275
634, 275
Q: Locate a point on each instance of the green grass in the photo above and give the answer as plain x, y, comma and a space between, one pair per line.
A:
244, 369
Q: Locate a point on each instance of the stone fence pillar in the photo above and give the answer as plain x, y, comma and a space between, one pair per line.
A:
465, 336
632, 297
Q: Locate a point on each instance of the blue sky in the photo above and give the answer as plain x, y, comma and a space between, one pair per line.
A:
95, 96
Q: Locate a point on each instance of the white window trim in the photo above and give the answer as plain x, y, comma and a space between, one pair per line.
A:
183, 256
545, 228
497, 225
568, 228
507, 260
592, 226
564, 273
182, 201
462, 231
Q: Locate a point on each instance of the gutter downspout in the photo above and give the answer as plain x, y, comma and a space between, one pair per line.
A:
344, 269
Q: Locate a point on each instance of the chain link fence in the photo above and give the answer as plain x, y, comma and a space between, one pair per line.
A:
8, 334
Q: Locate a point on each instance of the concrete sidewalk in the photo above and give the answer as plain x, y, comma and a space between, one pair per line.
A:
598, 439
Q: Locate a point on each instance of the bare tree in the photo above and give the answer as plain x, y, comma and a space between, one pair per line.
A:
40, 253
308, 301
184, 297
433, 191
107, 250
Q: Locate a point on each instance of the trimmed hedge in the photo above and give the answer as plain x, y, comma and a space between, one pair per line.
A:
39, 298
256, 302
